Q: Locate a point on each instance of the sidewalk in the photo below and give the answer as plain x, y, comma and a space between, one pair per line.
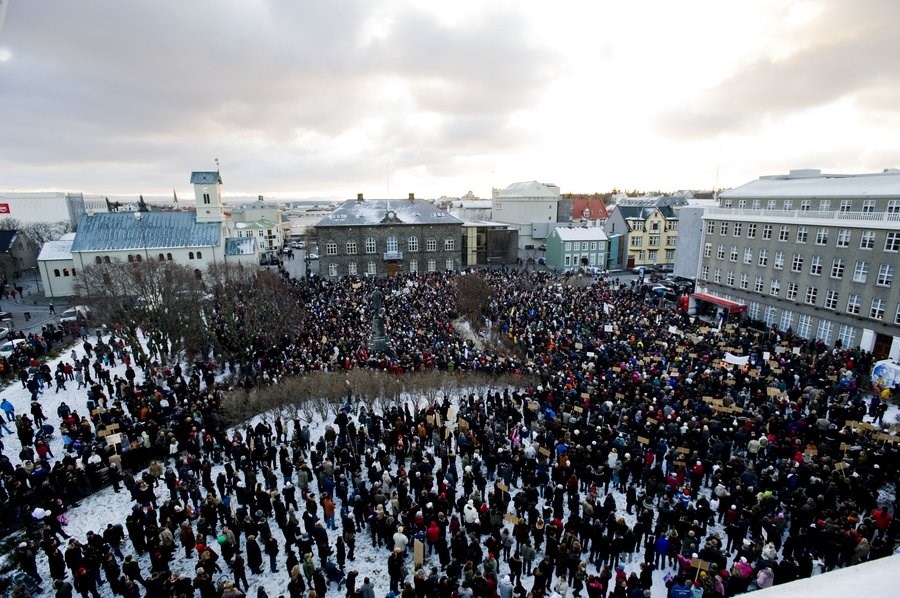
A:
35, 304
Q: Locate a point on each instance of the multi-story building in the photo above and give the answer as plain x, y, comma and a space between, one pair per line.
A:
387, 236
650, 226
533, 208
810, 252
577, 247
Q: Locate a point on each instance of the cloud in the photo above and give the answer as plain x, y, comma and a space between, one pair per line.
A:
135, 83
843, 53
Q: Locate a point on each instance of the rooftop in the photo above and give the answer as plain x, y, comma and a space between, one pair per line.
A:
205, 178
593, 233
357, 212
114, 231
813, 183
57, 250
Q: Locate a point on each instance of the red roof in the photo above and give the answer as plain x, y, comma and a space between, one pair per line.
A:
594, 205
732, 306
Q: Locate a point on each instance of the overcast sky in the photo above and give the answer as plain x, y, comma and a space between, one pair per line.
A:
301, 98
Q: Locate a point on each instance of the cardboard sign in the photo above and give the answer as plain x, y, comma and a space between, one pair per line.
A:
544, 451
844, 446
578, 409
643, 440
463, 425
533, 406
620, 396
501, 486
585, 395
683, 450
678, 463
700, 564
510, 518
840, 466
418, 553
773, 392
652, 421
811, 452
114, 439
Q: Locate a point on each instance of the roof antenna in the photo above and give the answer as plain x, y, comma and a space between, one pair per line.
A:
216, 160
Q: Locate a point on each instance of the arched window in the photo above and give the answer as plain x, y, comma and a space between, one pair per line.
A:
130, 258
391, 245
65, 271
198, 274
199, 255
98, 259
169, 256
106, 259
190, 255
370, 245
138, 258
56, 272
161, 257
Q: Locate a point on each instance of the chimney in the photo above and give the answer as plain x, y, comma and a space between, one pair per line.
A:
412, 197
359, 197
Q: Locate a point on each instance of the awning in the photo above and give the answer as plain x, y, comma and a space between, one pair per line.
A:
734, 308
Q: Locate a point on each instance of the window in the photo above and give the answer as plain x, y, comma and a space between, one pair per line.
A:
787, 319
797, 263
804, 205
449, 245
885, 275
788, 205
753, 310
758, 286
846, 206
843, 238
877, 310
431, 245
770, 205
821, 236
199, 256
812, 294
893, 207
767, 231
190, 256
751, 231
825, 330
707, 250
162, 257
733, 255
390, 245
745, 280
56, 272
723, 228
717, 275
831, 299
576, 246
792, 291
824, 205
783, 233
892, 242
432, 265
654, 241
837, 268
371, 245
804, 325
206, 198
635, 242
802, 234
412, 245
332, 269
710, 227
738, 229
351, 248
846, 334
763, 257
372, 268
66, 272
815, 265
351, 269
106, 259
704, 273
861, 272
449, 265
720, 251
868, 206
729, 278
778, 263
331, 248
775, 287
98, 259
771, 315
896, 316
593, 245
670, 255
413, 266
867, 239
748, 255
853, 304
754, 205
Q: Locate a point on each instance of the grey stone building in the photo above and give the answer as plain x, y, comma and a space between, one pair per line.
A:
811, 252
378, 237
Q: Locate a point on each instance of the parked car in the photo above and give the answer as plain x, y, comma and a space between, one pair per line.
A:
313, 256
7, 348
643, 270
75, 313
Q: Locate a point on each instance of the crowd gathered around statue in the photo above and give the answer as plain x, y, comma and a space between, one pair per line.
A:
632, 460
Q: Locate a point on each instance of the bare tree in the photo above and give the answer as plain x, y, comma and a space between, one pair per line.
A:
10, 224
473, 294
41, 232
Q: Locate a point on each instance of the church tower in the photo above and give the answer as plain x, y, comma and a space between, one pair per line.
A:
208, 195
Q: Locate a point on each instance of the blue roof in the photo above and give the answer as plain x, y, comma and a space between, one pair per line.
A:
112, 231
205, 178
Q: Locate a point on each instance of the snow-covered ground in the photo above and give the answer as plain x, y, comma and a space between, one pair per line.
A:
106, 506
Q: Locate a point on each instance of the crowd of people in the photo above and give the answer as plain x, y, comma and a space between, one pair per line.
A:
631, 460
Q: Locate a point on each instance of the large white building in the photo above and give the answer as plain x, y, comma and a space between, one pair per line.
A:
29, 208
809, 252
533, 209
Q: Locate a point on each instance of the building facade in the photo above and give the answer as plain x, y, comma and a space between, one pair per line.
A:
812, 253
533, 208
650, 226
569, 248
384, 237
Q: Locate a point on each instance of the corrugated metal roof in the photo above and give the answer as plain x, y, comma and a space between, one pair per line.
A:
529, 189
375, 211
205, 178
115, 231
812, 183
240, 246
57, 250
594, 233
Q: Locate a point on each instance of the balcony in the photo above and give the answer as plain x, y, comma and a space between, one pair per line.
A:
786, 215
392, 256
